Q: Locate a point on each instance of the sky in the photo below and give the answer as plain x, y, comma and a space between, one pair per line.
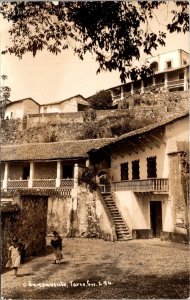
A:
49, 78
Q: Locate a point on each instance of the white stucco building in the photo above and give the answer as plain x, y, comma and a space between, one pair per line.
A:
171, 73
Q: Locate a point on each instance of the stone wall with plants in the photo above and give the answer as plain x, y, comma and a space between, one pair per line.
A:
25, 217
91, 219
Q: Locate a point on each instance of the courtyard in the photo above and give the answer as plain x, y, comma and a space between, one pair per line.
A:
97, 269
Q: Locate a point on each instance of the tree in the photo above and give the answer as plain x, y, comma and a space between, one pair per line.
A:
101, 100
114, 31
4, 96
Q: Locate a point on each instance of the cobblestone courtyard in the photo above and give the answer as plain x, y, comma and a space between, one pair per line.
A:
95, 269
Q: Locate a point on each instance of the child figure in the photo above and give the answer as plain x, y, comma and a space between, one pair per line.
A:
56, 243
14, 255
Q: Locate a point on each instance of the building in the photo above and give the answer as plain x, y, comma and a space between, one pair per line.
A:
24, 107
72, 104
170, 74
143, 177
148, 176
20, 108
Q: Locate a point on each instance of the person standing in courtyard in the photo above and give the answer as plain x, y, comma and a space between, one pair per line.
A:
14, 255
56, 243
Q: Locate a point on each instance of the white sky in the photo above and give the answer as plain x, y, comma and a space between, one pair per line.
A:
48, 78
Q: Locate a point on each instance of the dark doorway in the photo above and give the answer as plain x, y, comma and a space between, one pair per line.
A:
67, 171
156, 217
26, 173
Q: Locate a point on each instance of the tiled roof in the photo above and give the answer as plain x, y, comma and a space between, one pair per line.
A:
46, 151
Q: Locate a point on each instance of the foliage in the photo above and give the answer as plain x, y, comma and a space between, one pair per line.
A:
88, 177
101, 100
4, 96
115, 32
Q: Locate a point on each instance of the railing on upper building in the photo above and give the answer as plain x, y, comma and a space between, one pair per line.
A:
44, 183
17, 183
145, 185
158, 87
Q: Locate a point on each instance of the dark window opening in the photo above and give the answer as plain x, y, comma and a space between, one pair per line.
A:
151, 167
124, 171
26, 173
184, 62
181, 75
163, 80
67, 171
169, 64
135, 169
154, 66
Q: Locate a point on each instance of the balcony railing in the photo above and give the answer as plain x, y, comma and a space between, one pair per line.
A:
65, 183
17, 184
44, 183
146, 185
39, 183
158, 86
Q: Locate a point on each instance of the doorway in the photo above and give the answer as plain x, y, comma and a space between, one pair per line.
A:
156, 217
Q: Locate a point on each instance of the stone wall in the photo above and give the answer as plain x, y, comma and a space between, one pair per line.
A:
91, 219
178, 192
25, 217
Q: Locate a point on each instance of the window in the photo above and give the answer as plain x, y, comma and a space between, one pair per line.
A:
45, 109
11, 114
181, 75
151, 167
26, 173
184, 62
135, 169
154, 66
124, 171
169, 64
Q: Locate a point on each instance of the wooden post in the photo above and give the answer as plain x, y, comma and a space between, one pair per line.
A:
76, 172
6, 176
58, 179
30, 182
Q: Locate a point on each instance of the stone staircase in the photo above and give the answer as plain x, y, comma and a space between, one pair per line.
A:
122, 230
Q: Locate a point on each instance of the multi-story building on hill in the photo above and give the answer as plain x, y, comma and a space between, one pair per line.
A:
170, 74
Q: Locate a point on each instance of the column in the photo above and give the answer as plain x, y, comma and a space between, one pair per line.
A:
87, 163
59, 169
142, 86
132, 88
185, 80
122, 92
153, 81
30, 182
6, 172
76, 173
166, 80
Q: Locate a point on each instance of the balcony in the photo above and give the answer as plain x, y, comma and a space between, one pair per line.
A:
38, 183
158, 185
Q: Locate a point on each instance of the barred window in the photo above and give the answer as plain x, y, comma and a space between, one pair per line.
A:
135, 169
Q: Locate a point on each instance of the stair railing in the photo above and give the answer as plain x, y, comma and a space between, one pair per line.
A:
113, 234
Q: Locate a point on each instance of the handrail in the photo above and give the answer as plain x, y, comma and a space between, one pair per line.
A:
114, 235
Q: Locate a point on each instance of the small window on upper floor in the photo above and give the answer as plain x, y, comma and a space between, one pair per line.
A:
135, 169
169, 64
184, 62
45, 109
154, 66
124, 171
151, 167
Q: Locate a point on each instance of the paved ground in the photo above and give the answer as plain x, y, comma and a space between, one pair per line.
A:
95, 269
